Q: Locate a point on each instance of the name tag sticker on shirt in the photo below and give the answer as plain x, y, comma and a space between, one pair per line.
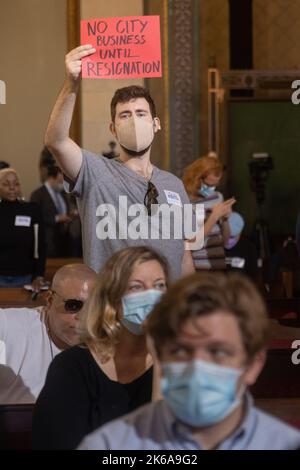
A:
22, 221
237, 262
173, 198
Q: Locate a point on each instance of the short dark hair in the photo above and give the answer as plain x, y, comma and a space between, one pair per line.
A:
46, 158
204, 293
53, 171
123, 95
4, 165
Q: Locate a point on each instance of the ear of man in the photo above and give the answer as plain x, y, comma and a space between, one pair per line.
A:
254, 368
157, 125
49, 298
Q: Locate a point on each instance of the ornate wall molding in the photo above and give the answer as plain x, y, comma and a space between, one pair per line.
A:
159, 87
264, 79
166, 82
182, 95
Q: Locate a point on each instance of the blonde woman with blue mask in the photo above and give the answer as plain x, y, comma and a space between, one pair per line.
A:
111, 372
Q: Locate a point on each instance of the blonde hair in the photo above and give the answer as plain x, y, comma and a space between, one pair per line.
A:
200, 168
99, 323
6, 171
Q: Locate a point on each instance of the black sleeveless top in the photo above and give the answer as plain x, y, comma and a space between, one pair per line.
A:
78, 397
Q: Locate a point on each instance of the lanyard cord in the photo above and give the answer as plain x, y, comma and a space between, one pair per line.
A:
51, 348
49, 336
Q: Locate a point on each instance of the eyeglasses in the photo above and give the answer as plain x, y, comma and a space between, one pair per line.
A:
71, 305
150, 197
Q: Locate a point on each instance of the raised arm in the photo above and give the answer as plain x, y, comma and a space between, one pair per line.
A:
66, 152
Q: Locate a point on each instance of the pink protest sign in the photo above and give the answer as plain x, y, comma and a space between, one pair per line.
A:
126, 47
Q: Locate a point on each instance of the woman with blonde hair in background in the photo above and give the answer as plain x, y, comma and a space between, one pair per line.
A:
200, 179
111, 372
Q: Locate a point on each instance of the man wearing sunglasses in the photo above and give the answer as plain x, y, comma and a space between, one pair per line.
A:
31, 338
99, 183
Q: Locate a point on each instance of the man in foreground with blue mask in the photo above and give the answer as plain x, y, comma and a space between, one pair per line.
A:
209, 332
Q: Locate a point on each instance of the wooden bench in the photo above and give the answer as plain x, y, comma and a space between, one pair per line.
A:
53, 264
18, 297
279, 378
282, 336
281, 307
287, 409
15, 427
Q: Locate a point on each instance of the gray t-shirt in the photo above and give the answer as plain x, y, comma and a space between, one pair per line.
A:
102, 181
25, 354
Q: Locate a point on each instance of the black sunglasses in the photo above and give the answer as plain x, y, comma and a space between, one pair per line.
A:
150, 197
71, 305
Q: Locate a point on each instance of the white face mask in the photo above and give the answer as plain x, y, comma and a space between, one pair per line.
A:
135, 134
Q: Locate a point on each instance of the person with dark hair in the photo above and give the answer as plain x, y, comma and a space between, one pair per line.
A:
55, 209
4, 165
111, 153
209, 332
22, 243
115, 188
46, 160
110, 373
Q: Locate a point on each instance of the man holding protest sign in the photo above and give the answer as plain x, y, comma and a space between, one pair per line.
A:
110, 192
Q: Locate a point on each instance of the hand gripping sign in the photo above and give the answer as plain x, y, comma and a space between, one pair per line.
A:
126, 47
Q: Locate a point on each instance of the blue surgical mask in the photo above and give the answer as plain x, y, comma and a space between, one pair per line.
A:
136, 308
206, 190
200, 393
